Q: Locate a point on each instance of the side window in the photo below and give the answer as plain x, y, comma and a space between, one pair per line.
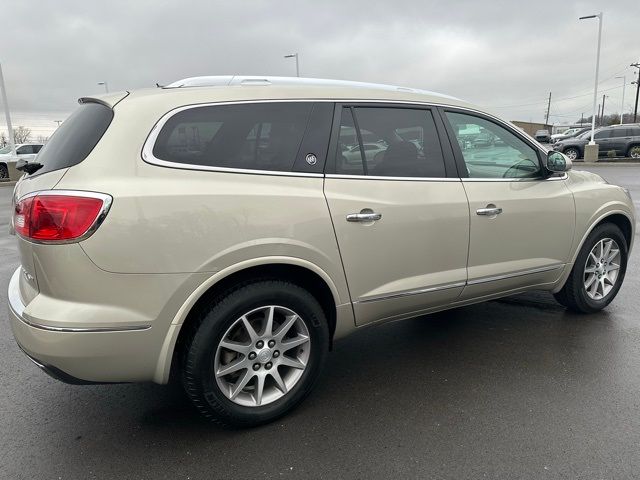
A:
620, 132
492, 151
260, 136
24, 150
602, 134
389, 142
633, 132
37, 148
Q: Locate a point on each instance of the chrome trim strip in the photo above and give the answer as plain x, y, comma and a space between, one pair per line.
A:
411, 292
515, 274
49, 328
107, 200
548, 179
375, 177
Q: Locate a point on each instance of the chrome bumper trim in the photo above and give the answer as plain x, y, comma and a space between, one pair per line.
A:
17, 308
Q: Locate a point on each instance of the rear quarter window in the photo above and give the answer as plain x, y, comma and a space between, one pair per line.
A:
252, 136
73, 141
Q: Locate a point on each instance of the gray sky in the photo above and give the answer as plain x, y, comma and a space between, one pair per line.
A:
502, 55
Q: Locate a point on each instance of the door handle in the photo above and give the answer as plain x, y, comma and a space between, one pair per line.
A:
365, 215
490, 211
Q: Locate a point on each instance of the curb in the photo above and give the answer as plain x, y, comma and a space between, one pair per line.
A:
7, 184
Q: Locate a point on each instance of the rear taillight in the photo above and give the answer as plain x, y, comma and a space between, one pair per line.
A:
59, 217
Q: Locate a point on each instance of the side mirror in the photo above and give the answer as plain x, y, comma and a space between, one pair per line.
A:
557, 162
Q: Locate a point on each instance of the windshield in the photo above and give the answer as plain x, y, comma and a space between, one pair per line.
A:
585, 136
5, 149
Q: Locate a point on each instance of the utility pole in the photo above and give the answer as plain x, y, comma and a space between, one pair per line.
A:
546, 121
637, 82
624, 84
7, 115
602, 114
598, 117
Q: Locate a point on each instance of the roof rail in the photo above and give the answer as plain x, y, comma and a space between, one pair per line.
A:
248, 80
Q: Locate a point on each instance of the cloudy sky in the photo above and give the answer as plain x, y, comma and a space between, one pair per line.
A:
504, 55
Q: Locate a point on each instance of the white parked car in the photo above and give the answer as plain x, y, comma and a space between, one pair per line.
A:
215, 231
26, 151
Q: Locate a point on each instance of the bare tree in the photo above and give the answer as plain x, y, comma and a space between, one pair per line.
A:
21, 134
42, 139
3, 139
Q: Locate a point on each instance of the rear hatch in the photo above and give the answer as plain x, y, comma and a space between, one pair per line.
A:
71, 143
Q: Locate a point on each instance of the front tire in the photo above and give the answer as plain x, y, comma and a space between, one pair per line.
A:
598, 272
256, 353
572, 153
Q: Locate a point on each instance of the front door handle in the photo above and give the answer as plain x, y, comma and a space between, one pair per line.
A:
365, 215
490, 211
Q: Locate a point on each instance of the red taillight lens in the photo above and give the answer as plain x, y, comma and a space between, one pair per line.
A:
56, 218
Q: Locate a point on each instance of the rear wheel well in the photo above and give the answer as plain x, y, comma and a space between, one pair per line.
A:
303, 277
621, 222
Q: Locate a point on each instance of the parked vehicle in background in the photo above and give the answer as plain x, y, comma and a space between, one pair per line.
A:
543, 136
24, 151
622, 140
214, 231
570, 133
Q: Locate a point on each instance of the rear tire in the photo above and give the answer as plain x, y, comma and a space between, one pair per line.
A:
634, 151
263, 385
4, 172
574, 294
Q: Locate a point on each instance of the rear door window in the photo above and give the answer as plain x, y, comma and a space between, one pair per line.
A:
75, 138
389, 142
258, 136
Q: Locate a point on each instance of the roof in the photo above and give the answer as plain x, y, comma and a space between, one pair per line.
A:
211, 89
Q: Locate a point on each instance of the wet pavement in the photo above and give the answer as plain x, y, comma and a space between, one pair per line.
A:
515, 388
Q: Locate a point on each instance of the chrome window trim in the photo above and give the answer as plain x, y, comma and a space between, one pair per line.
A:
537, 179
521, 273
411, 292
107, 200
375, 177
147, 148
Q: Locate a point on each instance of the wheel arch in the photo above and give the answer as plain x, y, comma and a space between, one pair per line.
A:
619, 218
298, 271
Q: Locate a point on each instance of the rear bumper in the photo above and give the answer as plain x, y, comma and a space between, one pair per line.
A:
82, 354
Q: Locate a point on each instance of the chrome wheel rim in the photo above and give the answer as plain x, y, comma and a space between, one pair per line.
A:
262, 356
571, 154
602, 268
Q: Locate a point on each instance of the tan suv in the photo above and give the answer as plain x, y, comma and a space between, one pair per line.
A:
226, 230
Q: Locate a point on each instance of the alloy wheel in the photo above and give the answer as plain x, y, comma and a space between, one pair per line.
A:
602, 268
634, 152
262, 356
571, 153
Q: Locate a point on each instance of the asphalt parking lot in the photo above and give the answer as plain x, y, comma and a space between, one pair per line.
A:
516, 388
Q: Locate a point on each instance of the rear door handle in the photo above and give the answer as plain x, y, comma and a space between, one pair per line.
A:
365, 215
490, 211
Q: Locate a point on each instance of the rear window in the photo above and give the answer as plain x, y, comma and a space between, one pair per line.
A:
72, 142
260, 136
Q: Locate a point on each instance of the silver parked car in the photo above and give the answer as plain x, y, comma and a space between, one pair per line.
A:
225, 231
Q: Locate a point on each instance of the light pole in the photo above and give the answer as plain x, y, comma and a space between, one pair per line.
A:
624, 84
7, 115
106, 86
595, 88
295, 55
